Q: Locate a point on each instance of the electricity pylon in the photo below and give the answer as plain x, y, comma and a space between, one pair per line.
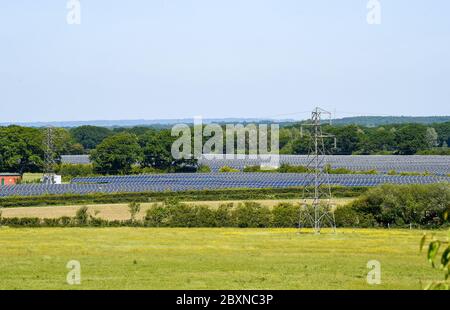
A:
317, 185
49, 157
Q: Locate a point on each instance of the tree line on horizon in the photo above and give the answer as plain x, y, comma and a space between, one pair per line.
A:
116, 150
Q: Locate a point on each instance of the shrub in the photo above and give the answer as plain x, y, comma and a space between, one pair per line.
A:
203, 169
406, 204
348, 216
21, 222
252, 169
134, 208
251, 214
285, 215
286, 168
204, 216
75, 170
156, 216
228, 169
181, 215
223, 216
65, 221
82, 216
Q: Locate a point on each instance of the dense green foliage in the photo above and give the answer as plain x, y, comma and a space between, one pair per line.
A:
21, 149
116, 154
404, 139
398, 205
70, 171
90, 136
174, 214
157, 146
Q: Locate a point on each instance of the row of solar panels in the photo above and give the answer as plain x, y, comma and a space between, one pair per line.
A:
194, 181
434, 164
382, 163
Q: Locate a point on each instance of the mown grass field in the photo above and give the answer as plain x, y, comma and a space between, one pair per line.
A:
171, 258
31, 177
120, 211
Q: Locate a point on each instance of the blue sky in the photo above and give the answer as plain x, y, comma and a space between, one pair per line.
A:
147, 59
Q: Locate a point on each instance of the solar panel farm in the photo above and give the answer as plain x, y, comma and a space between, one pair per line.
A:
225, 230
227, 153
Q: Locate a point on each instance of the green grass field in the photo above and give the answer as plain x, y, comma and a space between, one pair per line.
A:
31, 177
170, 258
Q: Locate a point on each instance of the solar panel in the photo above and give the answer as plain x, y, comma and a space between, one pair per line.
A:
200, 181
435, 164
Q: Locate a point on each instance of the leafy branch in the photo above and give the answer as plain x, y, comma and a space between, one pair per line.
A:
433, 252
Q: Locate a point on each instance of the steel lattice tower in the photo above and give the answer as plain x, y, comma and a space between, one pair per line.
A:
317, 184
49, 157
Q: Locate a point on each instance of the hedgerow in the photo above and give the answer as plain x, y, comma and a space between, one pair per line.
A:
203, 195
422, 205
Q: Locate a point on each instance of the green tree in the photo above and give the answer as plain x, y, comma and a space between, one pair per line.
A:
116, 154
443, 132
376, 140
347, 137
21, 149
410, 139
431, 137
65, 143
90, 136
156, 146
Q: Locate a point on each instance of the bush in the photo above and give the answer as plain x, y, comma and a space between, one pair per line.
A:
75, 170
223, 215
348, 216
203, 169
181, 215
286, 168
251, 214
20, 222
134, 208
82, 216
204, 217
156, 216
405, 204
228, 169
285, 215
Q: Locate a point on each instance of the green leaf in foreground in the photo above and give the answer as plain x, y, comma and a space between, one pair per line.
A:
422, 241
433, 249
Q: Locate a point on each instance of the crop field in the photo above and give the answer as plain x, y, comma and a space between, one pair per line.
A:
172, 258
120, 211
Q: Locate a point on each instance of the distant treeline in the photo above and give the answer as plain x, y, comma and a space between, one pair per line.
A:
147, 149
373, 121
167, 123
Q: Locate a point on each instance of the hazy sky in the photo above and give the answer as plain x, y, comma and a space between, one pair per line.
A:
151, 59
